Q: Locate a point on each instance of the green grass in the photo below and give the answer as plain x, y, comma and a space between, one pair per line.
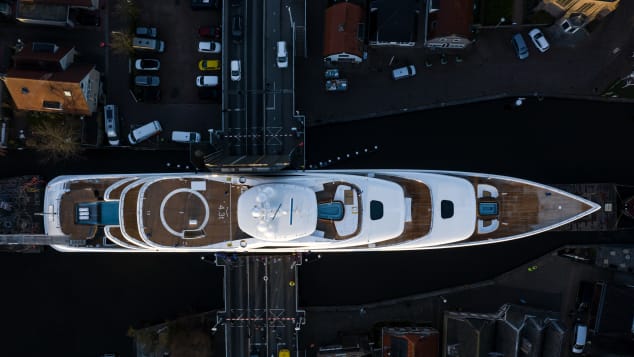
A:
493, 10
619, 90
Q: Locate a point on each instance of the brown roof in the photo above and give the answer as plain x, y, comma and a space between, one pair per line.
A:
27, 53
30, 89
84, 3
455, 17
341, 29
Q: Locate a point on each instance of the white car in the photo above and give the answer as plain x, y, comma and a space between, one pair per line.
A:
206, 81
236, 71
209, 47
147, 64
539, 40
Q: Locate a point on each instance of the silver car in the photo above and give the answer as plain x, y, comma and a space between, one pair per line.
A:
147, 81
147, 64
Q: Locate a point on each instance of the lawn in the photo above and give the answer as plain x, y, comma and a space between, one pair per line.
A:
494, 10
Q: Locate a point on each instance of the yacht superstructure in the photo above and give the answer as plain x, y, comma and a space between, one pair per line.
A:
298, 211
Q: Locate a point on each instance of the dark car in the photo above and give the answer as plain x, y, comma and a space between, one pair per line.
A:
211, 94
87, 18
206, 4
236, 28
214, 32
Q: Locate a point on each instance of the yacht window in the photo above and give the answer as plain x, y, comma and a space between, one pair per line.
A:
446, 209
376, 210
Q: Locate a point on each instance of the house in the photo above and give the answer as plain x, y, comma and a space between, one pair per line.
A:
395, 22
576, 14
410, 341
515, 330
343, 33
448, 24
45, 78
51, 12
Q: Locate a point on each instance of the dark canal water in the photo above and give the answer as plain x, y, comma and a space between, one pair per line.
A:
82, 304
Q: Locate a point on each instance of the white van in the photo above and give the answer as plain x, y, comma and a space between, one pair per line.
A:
143, 132
148, 44
111, 123
404, 72
580, 333
282, 55
185, 136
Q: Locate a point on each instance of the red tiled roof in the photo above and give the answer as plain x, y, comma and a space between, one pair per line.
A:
341, 29
29, 89
84, 3
455, 17
27, 54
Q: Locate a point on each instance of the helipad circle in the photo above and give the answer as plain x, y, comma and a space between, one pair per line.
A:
175, 192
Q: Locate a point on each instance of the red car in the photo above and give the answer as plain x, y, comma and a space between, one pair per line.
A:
210, 32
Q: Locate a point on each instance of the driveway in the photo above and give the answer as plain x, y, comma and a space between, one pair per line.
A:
179, 107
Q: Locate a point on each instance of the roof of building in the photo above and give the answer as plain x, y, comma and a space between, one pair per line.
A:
341, 27
454, 17
503, 332
41, 55
396, 21
31, 89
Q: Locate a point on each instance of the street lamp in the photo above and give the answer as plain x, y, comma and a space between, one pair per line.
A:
502, 19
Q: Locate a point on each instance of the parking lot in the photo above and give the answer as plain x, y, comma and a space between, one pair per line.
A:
177, 104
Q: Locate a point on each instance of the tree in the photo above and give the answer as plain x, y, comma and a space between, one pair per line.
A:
54, 137
127, 8
121, 43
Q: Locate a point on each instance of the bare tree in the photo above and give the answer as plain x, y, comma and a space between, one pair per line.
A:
121, 43
127, 8
54, 137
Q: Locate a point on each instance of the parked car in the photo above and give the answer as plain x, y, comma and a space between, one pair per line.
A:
337, 85
519, 45
111, 123
404, 72
146, 31
209, 47
539, 40
331, 73
236, 71
282, 55
214, 32
236, 28
209, 65
206, 4
144, 132
86, 17
5, 8
147, 64
209, 93
147, 81
185, 136
579, 335
207, 81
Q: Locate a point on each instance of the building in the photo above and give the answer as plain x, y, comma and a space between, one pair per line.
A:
45, 78
576, 14
449, 24
514, 331
51, 12
410, 341
395, 22
344, 30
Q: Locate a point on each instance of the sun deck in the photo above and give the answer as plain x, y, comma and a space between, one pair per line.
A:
184, 212
522, 208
